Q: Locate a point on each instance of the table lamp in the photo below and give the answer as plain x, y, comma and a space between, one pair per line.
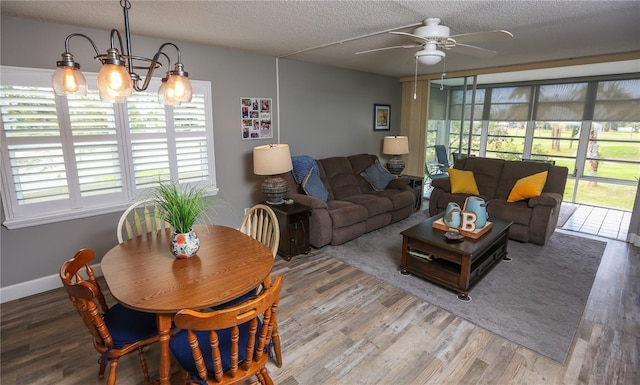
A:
396, 146
273, 159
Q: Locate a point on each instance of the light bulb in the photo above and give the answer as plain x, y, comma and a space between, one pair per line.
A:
178, 88
68, 80
114, 83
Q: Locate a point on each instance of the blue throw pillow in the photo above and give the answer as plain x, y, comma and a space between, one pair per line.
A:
301, 166
377, 176
313, 186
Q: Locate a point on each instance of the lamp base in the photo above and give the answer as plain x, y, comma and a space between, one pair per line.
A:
275, 189
395, 165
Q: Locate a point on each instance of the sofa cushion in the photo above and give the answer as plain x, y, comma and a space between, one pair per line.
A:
487, 173
312, 185
345, 213
375, 205
516, 212
377, 176
463, 182
528, 187
342, 181
399, 199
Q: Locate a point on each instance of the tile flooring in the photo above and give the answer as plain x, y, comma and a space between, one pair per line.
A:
608, 223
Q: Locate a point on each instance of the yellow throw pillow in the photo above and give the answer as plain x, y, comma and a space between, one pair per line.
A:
463, 182
528, 187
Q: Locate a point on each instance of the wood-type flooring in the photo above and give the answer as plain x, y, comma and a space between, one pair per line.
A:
340, 326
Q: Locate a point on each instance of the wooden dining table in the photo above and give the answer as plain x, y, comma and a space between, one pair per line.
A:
143, 274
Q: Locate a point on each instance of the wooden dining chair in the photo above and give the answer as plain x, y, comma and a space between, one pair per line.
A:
260, 223
227, 346
140, 218
116, 330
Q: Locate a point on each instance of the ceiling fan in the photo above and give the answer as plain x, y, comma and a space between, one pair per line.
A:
433, 39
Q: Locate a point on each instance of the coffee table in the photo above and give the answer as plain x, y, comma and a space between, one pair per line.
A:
456, 265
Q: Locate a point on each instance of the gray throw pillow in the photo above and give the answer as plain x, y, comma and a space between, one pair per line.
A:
377, 176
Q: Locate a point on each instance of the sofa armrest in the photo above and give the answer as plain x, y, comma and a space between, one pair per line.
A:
309, 201
399, 184
546, 199
443, 183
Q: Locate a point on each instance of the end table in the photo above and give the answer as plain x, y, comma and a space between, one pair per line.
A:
417, 183
293, 220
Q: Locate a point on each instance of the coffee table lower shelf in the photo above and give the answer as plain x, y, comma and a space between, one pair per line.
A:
454, 266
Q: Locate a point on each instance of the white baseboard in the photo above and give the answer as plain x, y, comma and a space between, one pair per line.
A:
36, 286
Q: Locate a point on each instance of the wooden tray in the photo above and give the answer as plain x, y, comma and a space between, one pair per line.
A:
440, 225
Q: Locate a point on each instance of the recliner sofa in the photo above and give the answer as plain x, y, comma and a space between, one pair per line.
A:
353, 207
534, 219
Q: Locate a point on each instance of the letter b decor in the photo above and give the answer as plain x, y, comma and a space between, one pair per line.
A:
468, 221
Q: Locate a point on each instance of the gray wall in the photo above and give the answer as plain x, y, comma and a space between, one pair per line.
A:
325, 111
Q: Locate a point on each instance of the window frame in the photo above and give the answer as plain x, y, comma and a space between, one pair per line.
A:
92, 205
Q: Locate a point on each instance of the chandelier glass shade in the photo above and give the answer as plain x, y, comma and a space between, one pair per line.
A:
117, 79
68, 80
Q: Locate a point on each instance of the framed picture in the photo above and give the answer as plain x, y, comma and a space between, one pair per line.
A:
381, 117
255, 117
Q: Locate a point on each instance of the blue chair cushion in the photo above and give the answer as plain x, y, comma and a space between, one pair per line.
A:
128, 326
236, 301
181, 350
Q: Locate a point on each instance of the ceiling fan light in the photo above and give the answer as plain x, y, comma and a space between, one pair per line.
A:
429, 57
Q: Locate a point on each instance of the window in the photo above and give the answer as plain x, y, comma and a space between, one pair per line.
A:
589, 125
65, 158
509, 111
461, 101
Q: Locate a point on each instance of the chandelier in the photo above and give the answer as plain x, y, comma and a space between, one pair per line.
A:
117, 78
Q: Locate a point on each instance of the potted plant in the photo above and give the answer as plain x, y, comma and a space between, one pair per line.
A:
181, 207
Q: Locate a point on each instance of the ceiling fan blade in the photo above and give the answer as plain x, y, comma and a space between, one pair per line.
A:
479, 36
408, 34
386, 48
473, 51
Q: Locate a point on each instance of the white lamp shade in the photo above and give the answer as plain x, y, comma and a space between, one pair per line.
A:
271, 159
395, 145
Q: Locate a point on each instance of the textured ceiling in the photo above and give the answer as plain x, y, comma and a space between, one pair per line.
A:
323, 31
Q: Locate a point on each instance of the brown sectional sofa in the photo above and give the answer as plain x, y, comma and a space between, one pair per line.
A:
534, 219
353, 207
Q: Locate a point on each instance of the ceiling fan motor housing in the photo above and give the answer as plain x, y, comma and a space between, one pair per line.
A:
432, 29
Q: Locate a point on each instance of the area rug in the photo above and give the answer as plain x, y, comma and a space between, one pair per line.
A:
536, 300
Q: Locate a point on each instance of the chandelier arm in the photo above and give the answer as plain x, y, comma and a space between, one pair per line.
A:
115, 32
66, 42
174, 46
155, 64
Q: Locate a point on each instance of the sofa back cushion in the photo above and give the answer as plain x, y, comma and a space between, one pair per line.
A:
556, 180
342, 175
360, 163
486, 172
514, 170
